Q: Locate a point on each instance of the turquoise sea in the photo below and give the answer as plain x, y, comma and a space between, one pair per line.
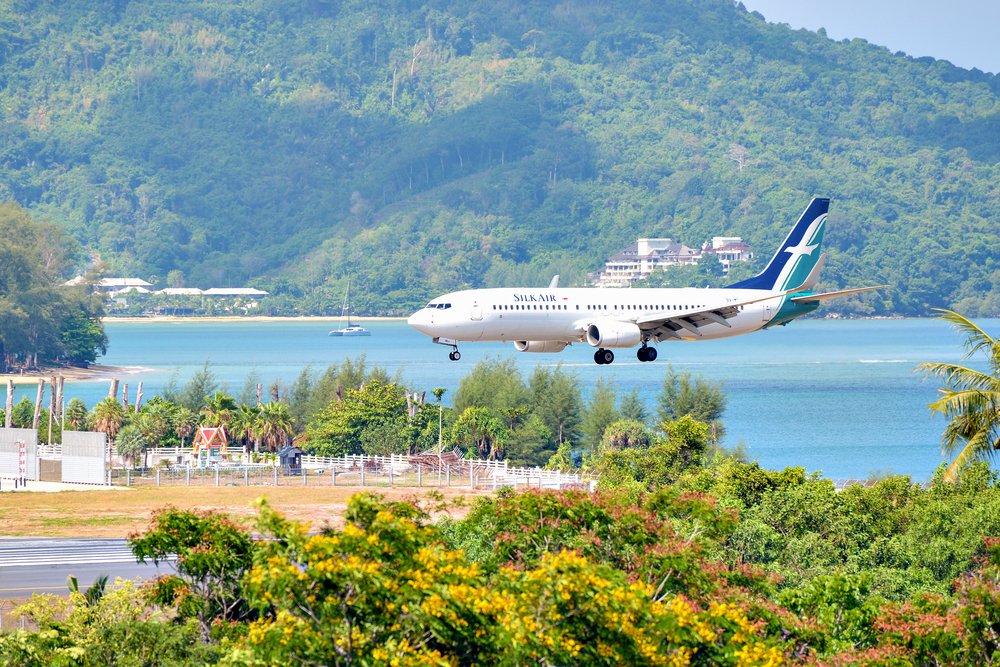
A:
837, 396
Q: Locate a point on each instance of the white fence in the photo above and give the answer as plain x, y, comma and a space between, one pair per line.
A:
170, 466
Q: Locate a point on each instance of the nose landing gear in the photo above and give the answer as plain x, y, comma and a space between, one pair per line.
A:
454, 355
603, 356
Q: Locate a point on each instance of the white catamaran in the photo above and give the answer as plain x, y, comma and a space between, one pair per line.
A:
345, 310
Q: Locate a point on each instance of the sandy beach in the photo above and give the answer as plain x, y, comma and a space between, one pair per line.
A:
93, 373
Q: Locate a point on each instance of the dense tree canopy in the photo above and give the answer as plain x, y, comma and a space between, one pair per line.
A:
41, 319
420, 146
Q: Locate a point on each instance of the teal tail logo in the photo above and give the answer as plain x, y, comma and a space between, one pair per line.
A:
798, 255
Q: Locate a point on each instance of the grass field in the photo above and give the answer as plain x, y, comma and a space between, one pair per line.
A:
121, 513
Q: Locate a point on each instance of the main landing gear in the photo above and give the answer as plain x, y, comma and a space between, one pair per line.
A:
603, 356
646, 353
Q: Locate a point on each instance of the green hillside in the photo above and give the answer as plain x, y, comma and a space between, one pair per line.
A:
425, 146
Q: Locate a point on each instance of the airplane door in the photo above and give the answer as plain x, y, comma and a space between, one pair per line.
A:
767, 310
477, 312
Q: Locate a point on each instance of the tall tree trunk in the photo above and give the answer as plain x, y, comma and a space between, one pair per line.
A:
59, 400
52, 405
8, 416
38, 404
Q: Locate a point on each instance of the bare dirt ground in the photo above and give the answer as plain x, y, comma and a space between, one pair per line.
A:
119, 513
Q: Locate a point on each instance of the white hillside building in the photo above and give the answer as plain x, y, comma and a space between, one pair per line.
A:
638, 261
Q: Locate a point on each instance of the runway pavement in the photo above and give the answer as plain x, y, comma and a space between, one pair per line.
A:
42, 565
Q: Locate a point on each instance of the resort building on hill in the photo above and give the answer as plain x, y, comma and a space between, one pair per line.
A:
638, 261
728, 249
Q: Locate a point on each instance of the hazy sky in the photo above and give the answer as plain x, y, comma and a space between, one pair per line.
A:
964, 32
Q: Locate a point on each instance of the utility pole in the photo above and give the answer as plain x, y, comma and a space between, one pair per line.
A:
438, 394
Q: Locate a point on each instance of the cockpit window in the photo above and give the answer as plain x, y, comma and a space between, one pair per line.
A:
440, 306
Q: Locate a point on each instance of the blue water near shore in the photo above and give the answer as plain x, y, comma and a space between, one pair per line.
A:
836, 396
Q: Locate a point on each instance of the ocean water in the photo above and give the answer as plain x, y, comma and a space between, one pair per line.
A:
836, 396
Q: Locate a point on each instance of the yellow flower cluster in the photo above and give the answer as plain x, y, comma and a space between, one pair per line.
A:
759, 654
390, 595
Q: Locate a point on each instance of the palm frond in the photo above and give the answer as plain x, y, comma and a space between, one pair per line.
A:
975, 338
961, 377
965, 457
969, 401
976, 448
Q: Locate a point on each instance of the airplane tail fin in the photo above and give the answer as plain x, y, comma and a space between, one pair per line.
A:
799, 259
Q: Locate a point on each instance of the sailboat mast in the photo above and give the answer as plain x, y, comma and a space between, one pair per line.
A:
347, 302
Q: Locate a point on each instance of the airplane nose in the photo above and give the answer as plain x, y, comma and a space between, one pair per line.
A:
420, 320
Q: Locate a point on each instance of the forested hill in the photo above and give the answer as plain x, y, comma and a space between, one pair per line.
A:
425, 146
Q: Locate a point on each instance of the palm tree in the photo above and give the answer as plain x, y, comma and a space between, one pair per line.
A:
275, 425
245, 425
971, 399
109, 415
185, 421
130, 443
153, 422
218, 410
76, 415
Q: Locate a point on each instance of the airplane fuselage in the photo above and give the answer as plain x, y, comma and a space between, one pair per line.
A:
563, 314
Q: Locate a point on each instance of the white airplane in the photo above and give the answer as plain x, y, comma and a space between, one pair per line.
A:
548, 320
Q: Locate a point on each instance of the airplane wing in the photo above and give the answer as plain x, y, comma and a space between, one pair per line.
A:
665, 325
805, 298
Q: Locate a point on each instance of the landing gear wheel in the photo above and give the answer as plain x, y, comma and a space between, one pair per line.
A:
454, 356
641, 353
650, 354
599, 357
607, 356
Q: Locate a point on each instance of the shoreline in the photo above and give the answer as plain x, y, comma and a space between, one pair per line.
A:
93, 373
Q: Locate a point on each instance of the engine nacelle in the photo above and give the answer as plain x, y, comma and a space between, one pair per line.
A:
612, 333
539, 345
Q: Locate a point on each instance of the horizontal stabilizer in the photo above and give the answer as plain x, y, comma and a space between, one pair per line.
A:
831, 295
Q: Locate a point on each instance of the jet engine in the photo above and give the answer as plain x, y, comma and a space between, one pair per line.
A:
539, 345
612, 333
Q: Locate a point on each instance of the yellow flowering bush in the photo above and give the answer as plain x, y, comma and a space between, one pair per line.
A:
386, 590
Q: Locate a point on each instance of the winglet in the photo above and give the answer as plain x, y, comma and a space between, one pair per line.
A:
554, 283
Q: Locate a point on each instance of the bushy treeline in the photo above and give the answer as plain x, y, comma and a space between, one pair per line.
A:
43, 321
420, 147
351, 408
728, 565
